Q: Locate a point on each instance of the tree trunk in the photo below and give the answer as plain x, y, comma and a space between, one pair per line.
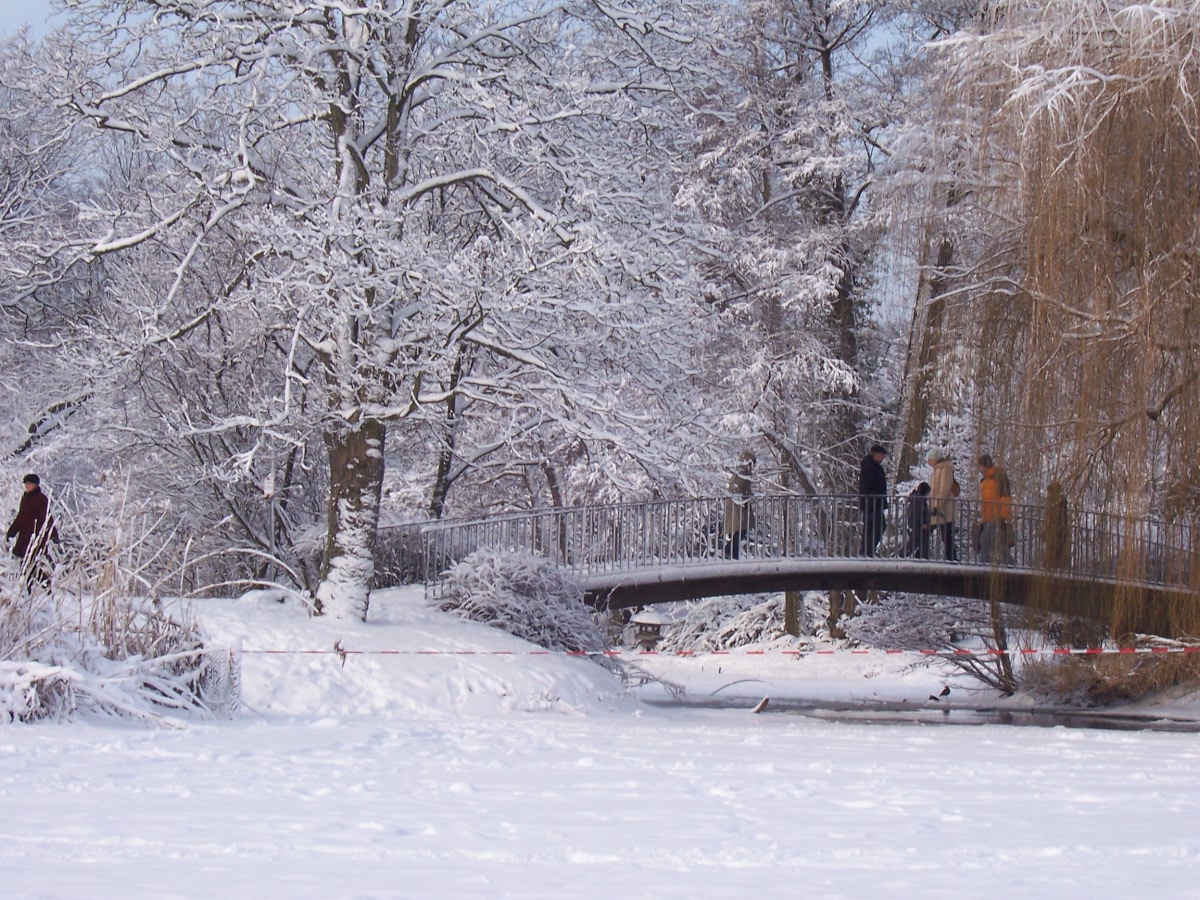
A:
1007, 681
841, 603
792, 600
924, 348
445, 461
925, 343
441, 477
791, 612
355, 487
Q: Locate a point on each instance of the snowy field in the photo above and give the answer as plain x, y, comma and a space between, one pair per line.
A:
523, 776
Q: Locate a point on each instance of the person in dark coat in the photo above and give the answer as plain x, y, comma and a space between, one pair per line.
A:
872, 498
32, 528
918, 522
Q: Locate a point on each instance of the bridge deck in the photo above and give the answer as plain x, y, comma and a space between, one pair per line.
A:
661, 551
1064, 591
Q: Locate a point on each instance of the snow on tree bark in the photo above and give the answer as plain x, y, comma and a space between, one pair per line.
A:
356, 481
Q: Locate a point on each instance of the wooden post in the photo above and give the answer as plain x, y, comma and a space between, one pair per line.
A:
791, 613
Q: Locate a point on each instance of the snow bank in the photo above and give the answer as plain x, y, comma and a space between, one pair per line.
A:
67, 652
309, 677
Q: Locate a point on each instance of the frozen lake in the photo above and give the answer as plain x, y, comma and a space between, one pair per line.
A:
528, 777
538, 805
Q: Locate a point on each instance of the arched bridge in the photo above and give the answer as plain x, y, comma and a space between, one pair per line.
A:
637, 554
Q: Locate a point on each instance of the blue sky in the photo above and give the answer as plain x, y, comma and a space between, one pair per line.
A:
14, 13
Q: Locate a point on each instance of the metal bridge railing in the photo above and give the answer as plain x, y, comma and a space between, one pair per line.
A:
594, 540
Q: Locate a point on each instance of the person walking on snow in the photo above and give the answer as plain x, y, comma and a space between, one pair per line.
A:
872, 498
943, 488
32, 528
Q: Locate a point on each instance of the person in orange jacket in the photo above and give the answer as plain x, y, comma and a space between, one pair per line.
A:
995, 512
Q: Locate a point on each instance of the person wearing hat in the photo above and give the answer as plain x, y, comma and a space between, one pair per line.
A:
943, 488
32, 526
872, 498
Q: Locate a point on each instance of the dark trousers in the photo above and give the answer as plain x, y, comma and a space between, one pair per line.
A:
918, 543
872, 526
947, 532
35, 569
733, 544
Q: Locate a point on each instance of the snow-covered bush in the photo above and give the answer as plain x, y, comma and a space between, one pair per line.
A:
100, 638
64, 653
722, 623
924, 622
525, 595
916, 622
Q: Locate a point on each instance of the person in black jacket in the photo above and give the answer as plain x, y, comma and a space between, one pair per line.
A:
32, 528
872, 498
918, 522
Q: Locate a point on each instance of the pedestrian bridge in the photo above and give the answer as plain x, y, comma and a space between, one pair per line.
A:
637, 554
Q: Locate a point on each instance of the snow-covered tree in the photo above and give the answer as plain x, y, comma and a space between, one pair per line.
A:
1058, 179
398, 210
43, 171
785, 157
933, 217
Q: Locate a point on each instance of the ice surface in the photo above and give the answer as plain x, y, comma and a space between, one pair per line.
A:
528, 776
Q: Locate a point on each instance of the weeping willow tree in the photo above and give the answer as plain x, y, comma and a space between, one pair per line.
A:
1061, 253
1109, 136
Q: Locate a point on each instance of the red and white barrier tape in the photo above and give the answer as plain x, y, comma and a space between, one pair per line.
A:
643, 654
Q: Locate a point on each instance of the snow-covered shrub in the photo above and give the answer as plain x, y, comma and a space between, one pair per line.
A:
722, 623
924, 622
100, 638
110, 655
916, 622
525, 595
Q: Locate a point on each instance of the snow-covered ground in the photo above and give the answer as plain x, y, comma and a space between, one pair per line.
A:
484, 775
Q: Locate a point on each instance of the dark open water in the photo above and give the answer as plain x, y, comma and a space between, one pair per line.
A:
941, 713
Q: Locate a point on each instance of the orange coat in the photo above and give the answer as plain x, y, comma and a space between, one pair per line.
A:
995, 504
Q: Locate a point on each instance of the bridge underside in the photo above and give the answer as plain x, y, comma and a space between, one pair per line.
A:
1059, 592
